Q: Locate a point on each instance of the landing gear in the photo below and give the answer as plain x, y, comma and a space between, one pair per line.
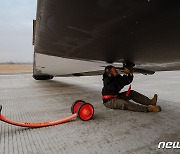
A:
0, 109
42, 77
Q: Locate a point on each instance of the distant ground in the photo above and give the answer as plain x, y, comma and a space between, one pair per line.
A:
15, 68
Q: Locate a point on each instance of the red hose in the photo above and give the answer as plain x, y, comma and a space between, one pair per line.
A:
38, 124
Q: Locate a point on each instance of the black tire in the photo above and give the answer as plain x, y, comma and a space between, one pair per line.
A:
0, 108
72, 106
42, 77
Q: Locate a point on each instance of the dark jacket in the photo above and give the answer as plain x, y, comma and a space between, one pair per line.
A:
113, 85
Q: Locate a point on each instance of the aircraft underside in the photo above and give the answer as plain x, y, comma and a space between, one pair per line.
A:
77, 37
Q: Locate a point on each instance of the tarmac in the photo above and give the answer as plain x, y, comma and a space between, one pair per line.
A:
110, 131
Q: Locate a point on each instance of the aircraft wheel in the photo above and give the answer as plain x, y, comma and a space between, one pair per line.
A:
42, 77
85, 111
0, 109
76, 105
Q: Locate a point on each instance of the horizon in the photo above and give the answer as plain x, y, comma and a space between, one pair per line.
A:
16, 62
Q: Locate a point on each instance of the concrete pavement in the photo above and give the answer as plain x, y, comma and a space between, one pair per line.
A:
110, 131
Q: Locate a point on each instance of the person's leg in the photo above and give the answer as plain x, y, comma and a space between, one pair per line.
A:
137, 97
125, 105
115, 104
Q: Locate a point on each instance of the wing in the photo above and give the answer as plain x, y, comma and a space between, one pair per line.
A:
77, 37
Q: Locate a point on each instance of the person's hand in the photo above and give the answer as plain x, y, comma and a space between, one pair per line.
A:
128, 71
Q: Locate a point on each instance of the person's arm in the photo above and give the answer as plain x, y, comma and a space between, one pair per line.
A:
123, 80
128, 76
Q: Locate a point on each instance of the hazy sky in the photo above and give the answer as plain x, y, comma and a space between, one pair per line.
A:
16, 30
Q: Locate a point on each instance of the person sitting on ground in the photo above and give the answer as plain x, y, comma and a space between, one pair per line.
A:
114, 82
